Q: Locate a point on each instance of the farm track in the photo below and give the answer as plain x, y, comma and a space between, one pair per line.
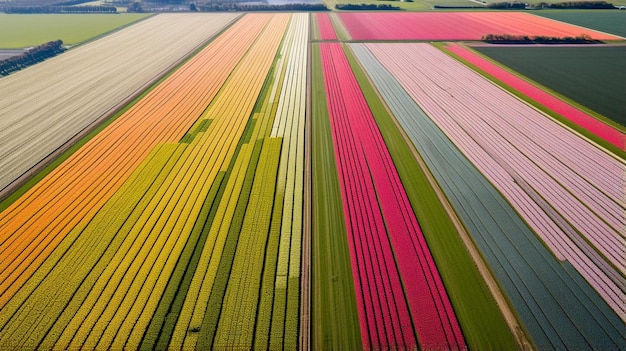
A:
307, 266
509, 315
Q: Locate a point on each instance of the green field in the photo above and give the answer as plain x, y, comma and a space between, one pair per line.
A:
20, 31
609, 21
592, 76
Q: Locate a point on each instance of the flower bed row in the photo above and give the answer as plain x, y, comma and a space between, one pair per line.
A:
382, 228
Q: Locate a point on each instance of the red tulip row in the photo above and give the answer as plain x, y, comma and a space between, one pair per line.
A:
398, 288
325, 26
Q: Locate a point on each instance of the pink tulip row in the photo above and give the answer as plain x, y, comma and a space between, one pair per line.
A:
325, 27
390, 258
559, 183
456, 26
566, 110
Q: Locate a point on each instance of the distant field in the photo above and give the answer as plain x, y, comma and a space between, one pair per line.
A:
610, 21
417, 5
448, 25
591, 76
19, 31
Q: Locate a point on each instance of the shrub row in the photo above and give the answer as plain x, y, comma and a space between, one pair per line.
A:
31, 57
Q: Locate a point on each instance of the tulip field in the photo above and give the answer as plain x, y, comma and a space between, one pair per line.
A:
382, 229
202, 150
61, 97
296, 181
431, 91
457, 26
580, 118
547, 67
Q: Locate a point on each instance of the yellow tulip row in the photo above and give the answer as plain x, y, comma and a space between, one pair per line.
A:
239, 308
232, 108
57, 279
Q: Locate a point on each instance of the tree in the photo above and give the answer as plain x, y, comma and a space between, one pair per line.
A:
135, 7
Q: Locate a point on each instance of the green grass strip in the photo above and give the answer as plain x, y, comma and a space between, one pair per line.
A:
334, 317
161, 327
26, 30
483, 325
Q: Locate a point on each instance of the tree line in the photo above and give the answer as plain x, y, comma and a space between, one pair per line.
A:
506, 5
577, 5
212, 7
515, 5
31, 57
367, 7
59, 9
537, 39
